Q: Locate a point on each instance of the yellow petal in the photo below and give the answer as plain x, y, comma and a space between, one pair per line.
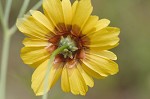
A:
38, 77
91, 71
74, 7
82, 13
104, 39
67, 11
31, 55
32, 28
65, 80
41, 18
102, 24
89, 26
95, 67
88, 79
104, 53
94, 25
101, 65
36, 64
53, 9
29, 42
77, 83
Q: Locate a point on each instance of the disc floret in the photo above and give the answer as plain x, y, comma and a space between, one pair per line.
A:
68, 41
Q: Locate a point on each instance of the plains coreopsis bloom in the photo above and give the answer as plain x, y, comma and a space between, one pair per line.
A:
89, 39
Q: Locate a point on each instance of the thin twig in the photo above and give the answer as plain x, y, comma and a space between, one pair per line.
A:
24, 8
1, 11
37, 6
7, 11
4, 27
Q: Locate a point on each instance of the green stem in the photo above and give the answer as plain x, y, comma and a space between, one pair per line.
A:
4, 25
5, 54
4, 64
7, 11
38, 5
52, 57
1, 11
23, 8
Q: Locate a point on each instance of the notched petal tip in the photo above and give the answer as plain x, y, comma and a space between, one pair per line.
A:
20, 21
32, 11
36, 92
115, 30
115, 68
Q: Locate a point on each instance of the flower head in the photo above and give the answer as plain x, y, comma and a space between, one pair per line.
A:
88, 39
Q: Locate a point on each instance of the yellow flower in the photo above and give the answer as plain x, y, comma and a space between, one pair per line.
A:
90, 39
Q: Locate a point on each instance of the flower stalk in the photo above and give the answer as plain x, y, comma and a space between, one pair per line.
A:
50, 64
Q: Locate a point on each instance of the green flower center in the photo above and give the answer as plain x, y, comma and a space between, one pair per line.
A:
68, 41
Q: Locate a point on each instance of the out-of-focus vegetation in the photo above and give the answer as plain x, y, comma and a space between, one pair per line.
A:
133, 80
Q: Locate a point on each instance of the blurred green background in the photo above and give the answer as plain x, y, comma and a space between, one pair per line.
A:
133, 80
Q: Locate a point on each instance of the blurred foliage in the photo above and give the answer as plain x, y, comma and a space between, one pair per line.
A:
133, 80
